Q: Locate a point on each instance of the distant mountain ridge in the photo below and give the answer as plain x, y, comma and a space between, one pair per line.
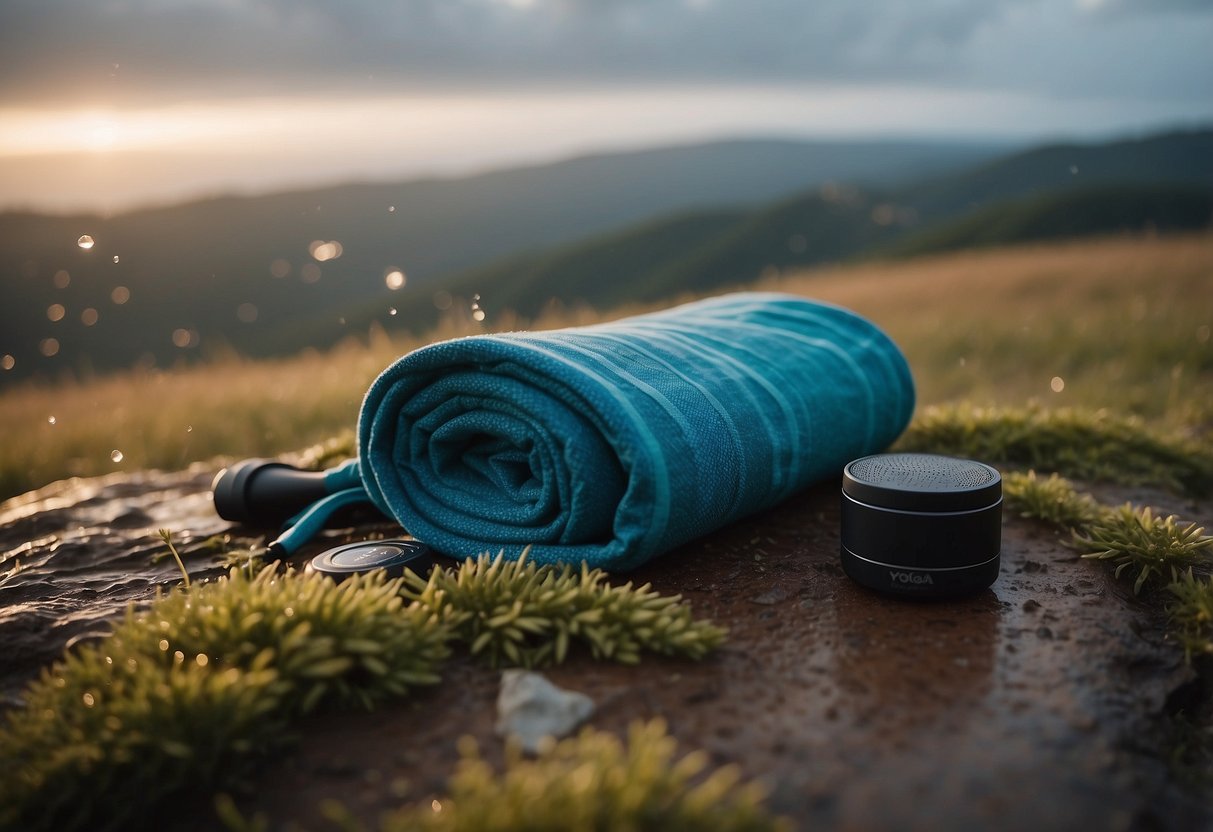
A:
200, 272
1162, 183
599, 230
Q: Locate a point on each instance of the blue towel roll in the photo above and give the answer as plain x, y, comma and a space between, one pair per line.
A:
616, 442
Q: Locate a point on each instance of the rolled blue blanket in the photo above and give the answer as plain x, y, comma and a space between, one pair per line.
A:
617, 442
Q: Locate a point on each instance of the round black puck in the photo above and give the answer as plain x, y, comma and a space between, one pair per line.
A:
392, 555
921, 525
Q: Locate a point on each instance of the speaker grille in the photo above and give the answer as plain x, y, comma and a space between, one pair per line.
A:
922, 482
922, 472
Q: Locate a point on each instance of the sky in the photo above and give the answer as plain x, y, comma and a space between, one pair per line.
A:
106, 104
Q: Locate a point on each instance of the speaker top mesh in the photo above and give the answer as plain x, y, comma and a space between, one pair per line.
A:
921, 482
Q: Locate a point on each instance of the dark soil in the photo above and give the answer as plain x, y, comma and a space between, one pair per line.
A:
1045, 702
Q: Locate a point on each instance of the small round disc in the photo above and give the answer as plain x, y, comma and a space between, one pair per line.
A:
393, 555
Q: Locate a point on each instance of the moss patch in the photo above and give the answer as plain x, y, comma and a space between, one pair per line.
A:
594, 781
1082, 444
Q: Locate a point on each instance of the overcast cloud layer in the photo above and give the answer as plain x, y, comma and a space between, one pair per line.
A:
66, 52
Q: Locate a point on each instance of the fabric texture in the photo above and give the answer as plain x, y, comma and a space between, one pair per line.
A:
616, 442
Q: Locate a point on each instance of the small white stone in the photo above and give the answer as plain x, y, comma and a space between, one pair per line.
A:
529, 708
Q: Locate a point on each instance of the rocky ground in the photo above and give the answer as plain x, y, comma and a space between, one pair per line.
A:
1043, 703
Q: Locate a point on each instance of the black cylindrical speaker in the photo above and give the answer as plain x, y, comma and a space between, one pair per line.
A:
921, 525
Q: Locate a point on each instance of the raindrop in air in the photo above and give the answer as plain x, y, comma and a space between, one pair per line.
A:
478, 314
86, 242
395, 279
189, 428
8, 362
1057, 384
116, 455
50, 420
391, 209
62, 279
392, 311
115, 258
55, 312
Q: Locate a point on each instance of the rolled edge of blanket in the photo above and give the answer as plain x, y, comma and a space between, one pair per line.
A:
838, 388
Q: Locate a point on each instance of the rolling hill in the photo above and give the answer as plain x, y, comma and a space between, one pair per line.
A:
1163, 183
600, 231
201, 273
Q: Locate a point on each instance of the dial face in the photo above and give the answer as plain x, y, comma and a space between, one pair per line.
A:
393, 555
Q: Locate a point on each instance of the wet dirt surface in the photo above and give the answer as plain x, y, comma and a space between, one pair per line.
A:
1035, 704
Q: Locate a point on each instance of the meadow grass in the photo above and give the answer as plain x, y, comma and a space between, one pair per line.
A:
1107, 342
1122, 324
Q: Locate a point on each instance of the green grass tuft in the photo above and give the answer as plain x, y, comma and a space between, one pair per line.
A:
1191, 612
188, 694
1084, 445
594, 781
517, 613
1051, 500
1143, 542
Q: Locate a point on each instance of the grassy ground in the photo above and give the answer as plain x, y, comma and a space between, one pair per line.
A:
1122, 324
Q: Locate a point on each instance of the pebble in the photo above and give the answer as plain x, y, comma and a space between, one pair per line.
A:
530, 708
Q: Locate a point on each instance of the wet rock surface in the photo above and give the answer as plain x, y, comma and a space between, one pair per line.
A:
1036, 704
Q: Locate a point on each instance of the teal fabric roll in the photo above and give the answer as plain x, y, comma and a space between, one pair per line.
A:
617, 442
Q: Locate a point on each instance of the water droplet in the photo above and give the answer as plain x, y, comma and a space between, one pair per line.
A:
478, 315
280, 268
184, 338
189, 428
55, 312
115, 258
202, 659
178, 657
476, 299
62, 279
86, 242
392, 311
49, 347
395, 279
164, 644
246, 313
89, 316
89, 700
8, 362
321, 250
442, 299
116, 455
391, 209
120, 295
435, 806
1057, 384
310, 273
51, 420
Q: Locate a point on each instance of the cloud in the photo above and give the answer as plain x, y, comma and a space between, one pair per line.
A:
89, 50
